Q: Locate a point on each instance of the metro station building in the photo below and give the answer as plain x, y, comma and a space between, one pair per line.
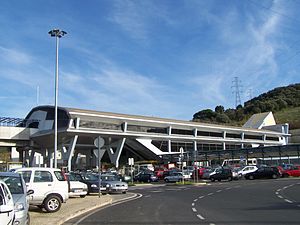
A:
31, 141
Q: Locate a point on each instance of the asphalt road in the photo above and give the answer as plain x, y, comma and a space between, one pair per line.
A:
236, 202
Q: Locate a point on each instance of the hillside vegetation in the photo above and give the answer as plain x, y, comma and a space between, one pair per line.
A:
284, 102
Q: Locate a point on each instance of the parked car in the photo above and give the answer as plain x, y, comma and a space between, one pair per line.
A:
113, 184
18, 189
91, 180
263, 172
246, 169
235, 173
206, 173
7, 213
221, 174
174, 177
76, 188
50, 187
200, 171
146, 176
293, 171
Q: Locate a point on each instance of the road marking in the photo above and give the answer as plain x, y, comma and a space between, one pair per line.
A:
228, 188
289, 201
210, 194
193, 204
200, 217
279, 190
212, 224
195, 200
279, 196
219, 191
194, 209
277, 193
201, 197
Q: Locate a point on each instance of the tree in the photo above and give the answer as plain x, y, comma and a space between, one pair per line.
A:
219, 109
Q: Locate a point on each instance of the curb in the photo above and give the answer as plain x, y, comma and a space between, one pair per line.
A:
82, 211
97, 206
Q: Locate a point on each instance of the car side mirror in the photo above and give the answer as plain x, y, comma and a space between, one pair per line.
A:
30, 192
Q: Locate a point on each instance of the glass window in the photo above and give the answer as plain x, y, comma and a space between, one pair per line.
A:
26, 176
14, 184
59, 175
42, 176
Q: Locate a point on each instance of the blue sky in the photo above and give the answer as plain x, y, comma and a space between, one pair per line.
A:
165, 58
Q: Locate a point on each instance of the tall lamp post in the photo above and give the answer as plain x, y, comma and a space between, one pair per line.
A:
57, 34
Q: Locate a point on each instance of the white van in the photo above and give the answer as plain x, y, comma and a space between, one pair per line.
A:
50, 187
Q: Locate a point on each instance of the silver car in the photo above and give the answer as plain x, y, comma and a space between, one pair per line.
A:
19, 193
174, 177
113, 184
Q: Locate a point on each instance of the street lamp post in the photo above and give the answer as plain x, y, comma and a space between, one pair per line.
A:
57, 34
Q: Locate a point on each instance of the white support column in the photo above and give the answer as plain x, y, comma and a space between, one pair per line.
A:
77, 123
169, 130
195, 132
31, 157
195, 145
125, 127
169, 146
224, 143
115, 156
242, 138
70, 151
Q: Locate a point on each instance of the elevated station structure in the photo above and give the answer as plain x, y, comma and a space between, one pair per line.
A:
126, 136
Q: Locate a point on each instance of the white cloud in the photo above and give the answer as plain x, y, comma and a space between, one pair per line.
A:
14, 56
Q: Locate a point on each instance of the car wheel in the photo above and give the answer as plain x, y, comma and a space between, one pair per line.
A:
82, 196
251, 177
52, 203
274, 176
167, 180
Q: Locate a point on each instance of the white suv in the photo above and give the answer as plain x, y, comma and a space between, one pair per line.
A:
247, 169
49, 185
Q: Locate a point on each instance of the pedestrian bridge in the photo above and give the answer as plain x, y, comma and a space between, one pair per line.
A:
126, 136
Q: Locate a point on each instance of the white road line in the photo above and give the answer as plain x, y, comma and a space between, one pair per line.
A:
201, 197
279, 190
228, 188
277, 193
200, 217
194, 209
210, 194
219, 191
279, 196
193, 204
289, 201
212, 224
195, 200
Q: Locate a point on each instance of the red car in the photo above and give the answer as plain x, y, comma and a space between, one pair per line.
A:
293, 171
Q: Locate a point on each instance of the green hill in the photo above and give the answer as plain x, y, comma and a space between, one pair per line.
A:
284, 102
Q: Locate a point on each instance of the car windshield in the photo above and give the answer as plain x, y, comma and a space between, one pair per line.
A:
109, 178
89, 176
14, 184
